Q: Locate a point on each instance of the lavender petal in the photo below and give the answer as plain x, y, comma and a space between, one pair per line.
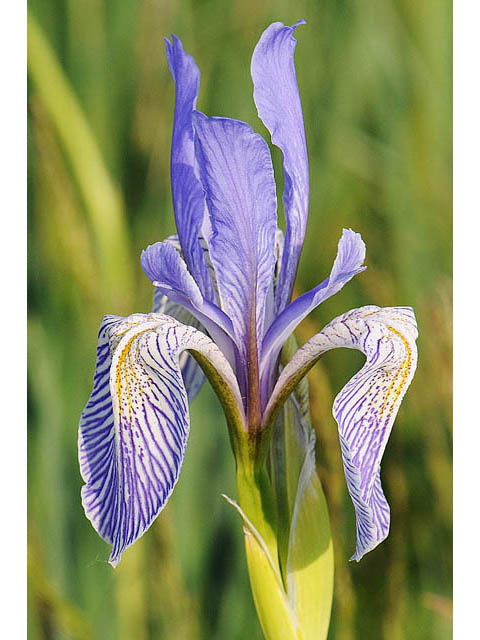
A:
278, 103
187, 193
237, 174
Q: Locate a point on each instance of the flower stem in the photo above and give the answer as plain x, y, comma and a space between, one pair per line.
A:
276, 616
256, 500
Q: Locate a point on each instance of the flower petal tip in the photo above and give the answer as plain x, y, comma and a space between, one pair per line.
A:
352, 251
114, 560
300, 22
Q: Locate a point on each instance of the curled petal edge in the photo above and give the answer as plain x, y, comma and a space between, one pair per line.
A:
366, 407
192, 373
165, 267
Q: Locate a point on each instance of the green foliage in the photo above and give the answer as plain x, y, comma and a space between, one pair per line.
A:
375, 80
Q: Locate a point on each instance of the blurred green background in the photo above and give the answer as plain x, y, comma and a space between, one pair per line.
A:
375, 81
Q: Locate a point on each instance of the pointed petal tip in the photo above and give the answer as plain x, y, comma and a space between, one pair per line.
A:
151, 259
281, 26
148, 259
351, 251
170, 45
114, 560
165, 267
349, 235
182, 65
360, 554
300, 22
172, 40
349, 231
178, 44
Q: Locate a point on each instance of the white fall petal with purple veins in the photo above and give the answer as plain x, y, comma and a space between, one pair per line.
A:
366, 407
134, 429
223, 292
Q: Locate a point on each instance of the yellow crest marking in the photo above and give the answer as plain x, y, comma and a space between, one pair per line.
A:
403, 371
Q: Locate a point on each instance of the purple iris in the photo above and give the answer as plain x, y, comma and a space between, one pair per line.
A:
223, 289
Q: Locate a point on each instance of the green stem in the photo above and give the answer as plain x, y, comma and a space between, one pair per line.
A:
276, 616
256, 501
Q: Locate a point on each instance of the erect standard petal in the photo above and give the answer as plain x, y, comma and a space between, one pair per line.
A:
366, 407
236, 171
349, 261
278, 103
134, 428
187, 193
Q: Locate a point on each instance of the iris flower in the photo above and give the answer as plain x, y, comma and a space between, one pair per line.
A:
223, 309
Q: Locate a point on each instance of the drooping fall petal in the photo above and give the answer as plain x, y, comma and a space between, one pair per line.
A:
134, 428
366, 407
